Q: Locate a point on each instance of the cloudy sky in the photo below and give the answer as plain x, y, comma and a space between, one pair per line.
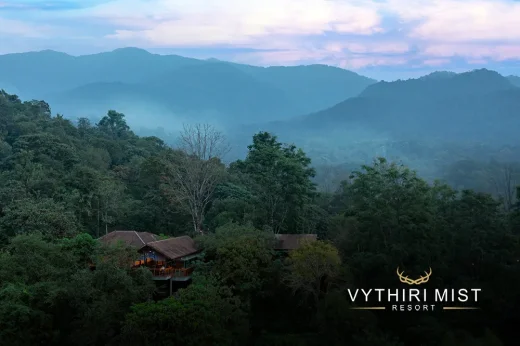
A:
385, 39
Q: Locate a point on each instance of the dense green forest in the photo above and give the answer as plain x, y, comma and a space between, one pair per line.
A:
63, 185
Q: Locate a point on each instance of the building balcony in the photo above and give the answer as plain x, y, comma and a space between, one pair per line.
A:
170, 273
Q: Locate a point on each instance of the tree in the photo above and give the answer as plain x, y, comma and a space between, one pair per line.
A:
38, 215
102, 297
110, 202
55, 298
204, 314
241, 255
114, 124
390, 211
84, 126
312, 267
203, 141
193, 174
280, 177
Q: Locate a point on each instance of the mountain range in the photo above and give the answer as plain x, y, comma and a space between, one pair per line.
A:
131, 79
479, 105
336, 115
427, 118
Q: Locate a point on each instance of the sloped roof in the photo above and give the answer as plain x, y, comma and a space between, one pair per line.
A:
174, 248
131, 238
292, 241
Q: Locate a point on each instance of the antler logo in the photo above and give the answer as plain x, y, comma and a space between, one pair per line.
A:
420, 280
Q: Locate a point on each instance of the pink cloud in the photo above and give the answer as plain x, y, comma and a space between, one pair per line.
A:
343, 54
440, 28
24, 29
473, 51
460, 20
205, 22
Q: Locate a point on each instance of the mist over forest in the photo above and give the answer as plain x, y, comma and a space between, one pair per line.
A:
449, 126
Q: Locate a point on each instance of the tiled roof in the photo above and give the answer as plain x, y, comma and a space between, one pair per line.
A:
131, 238
292, 241
174, 248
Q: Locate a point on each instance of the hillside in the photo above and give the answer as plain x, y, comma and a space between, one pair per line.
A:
439, 86
428, 123
315, 87
173, 85
218, 88
479, 105
36, 74
439, 75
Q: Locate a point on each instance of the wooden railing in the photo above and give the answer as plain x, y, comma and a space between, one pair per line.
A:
176, 272
148, 262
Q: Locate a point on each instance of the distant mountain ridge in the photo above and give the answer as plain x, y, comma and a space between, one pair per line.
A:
439, 75
176, 84
440, 85
480, 105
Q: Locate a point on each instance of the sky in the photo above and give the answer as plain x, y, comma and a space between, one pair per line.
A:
383, 39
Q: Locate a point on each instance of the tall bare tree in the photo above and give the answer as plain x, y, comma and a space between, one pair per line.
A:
192, 177
203, 141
